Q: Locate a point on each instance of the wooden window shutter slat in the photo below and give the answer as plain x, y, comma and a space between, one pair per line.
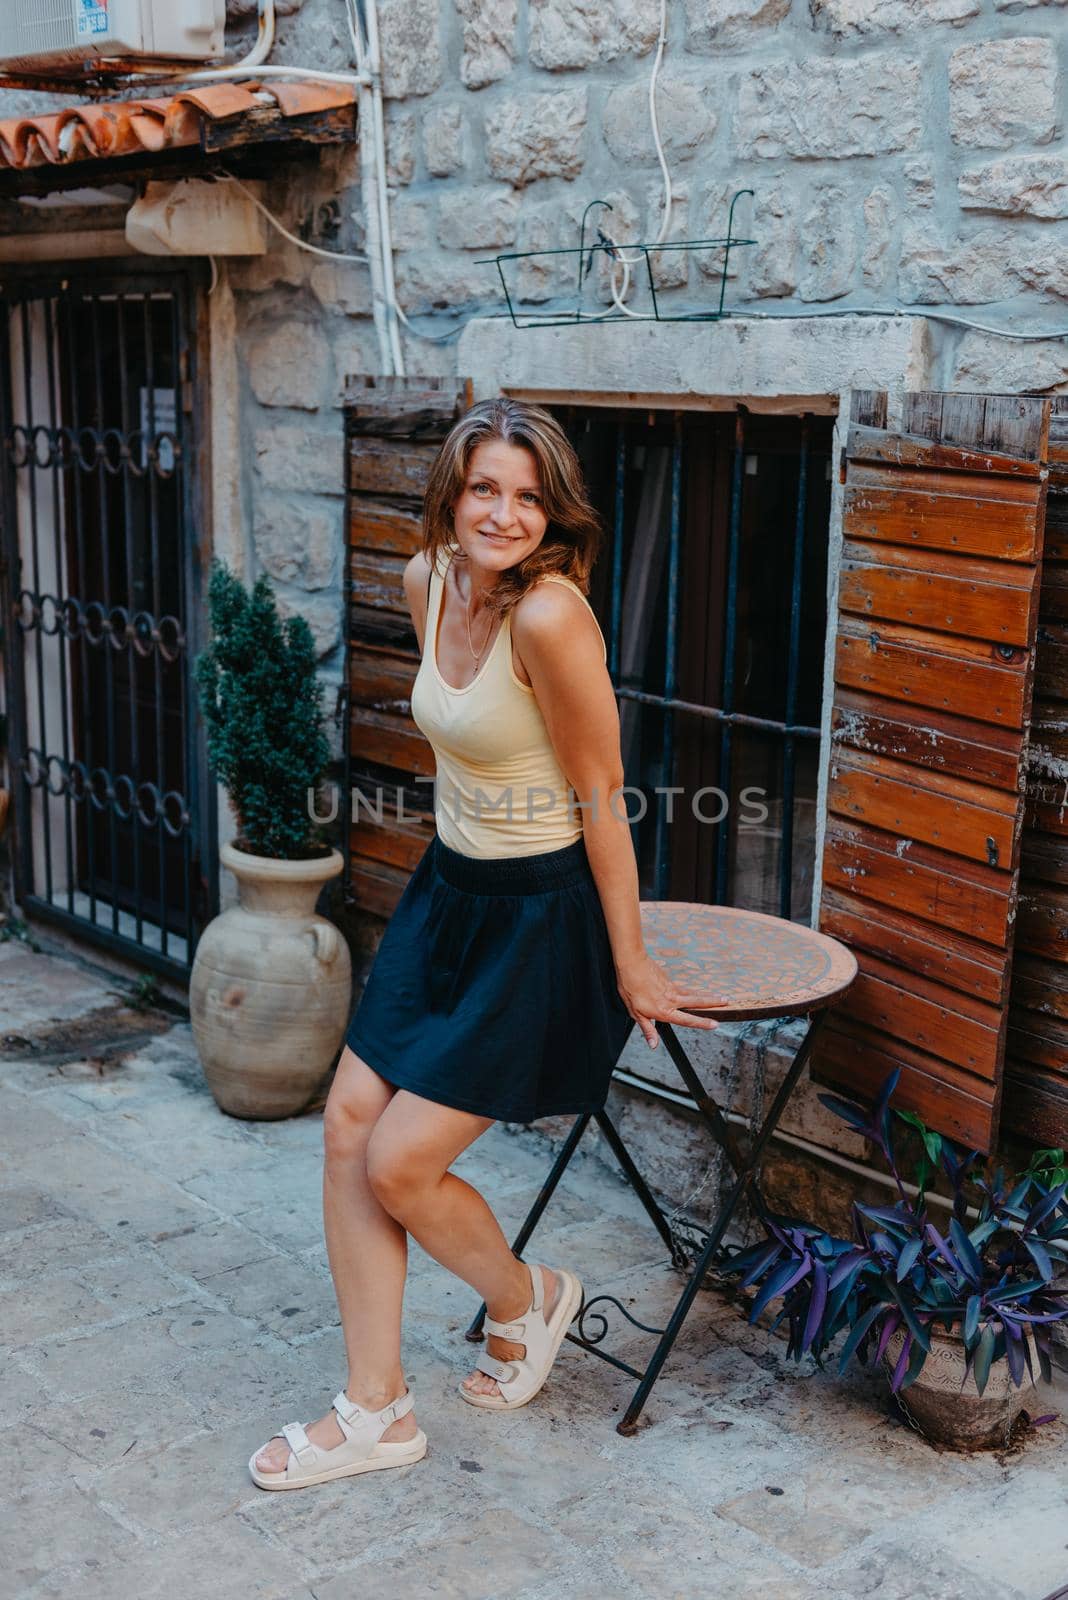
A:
393, 428
934, 678
1036, 1063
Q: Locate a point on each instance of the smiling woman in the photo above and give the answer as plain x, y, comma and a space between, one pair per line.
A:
513, 968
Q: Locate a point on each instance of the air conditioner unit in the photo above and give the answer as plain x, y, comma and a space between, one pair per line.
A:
60, 38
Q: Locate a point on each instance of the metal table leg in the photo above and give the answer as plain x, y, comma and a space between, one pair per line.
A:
743, 1180
744, 1164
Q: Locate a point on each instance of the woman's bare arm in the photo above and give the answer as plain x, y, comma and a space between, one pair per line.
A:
560, 648
416, 576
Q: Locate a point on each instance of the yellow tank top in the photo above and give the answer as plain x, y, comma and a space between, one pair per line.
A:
500, 789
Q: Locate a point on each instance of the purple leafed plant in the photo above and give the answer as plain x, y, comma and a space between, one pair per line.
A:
998, 1274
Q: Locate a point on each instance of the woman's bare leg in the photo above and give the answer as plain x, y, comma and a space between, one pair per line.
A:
368, 1254
412, 1146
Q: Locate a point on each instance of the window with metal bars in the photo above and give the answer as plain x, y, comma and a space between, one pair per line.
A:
711, 589
115, 836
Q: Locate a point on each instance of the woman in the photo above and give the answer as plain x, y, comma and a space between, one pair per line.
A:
513, 968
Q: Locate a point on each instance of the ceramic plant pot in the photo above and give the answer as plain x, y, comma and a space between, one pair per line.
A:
271, 987
952, 1412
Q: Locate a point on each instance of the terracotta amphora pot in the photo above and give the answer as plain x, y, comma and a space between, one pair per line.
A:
271, 987
952, 1412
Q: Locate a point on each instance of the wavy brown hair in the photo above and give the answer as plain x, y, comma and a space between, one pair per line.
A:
573, 533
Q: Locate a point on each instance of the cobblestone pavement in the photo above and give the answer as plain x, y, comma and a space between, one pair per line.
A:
165, 1306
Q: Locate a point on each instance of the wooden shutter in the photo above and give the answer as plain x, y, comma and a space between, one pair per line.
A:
934, 672
1036, 1063
393, 428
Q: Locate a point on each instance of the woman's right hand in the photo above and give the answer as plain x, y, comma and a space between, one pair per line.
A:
651, 995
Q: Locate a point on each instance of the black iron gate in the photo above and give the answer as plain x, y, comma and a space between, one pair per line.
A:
114, 827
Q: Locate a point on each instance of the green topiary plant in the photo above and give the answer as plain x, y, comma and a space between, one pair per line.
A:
263, 707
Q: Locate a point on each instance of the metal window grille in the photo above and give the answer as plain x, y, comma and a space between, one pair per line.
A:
115, 833
712, 593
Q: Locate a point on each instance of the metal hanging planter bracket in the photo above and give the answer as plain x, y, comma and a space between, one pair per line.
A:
584, 253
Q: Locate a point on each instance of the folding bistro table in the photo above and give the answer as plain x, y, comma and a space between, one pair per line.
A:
750, 966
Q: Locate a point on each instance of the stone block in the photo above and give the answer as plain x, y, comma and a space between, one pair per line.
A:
411, 221
480, 218
304, 459
830, 109
38, 993
879, 1572
1003, 92
1041, 264
710, 213
63, 1242
489, 42
240, 1563
444, 138
118, 1423
321, 612
478, 1558
298, 541
213, 1247
970, 271
442, 283
671, 268
880, 218
400, 147
286, 364
824, 1512
537, 136
285, 263
297, 1179
828, 246
255, 1379
182, 1487
29, 1125
1004, 366
768, 269
93, 1183
580, 33
1032, 186
920, 186
685, 114
848, 18
1018, 1543
285, 1224
410, 38
354, 346
342, 286
712, 23
43, 1530
280, 1295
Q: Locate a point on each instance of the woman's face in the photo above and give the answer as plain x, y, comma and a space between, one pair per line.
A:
498, 517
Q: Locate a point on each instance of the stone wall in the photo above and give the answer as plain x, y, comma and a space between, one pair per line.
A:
901, 153
909, 152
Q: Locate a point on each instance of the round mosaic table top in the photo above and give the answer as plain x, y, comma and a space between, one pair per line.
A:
746, 964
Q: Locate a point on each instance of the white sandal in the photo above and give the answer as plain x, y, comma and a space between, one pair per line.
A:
362, 1450
520, 1379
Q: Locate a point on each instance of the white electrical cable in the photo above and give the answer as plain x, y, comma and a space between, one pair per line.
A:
908, 311
620, 290
372, 210
379, 143
553, 319
225, 74
302, 244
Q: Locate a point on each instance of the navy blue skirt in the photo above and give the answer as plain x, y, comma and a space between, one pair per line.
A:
493, 989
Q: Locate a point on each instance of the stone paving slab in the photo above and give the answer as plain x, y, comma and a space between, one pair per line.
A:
165, 1305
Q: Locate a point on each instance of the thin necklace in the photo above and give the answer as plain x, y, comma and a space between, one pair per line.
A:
470, 645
